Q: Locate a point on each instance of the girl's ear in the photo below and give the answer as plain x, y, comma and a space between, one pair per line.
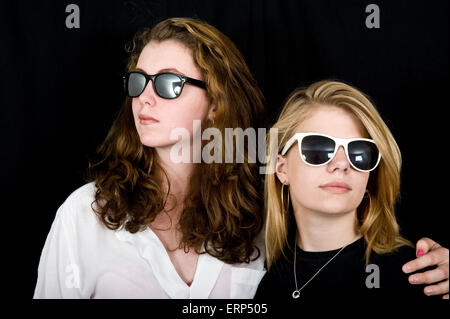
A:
212, 112
281, 169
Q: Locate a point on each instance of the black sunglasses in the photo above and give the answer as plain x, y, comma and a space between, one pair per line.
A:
166, 85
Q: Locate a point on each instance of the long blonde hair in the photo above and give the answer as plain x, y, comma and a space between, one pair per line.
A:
376, 217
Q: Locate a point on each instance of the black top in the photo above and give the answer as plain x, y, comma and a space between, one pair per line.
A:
344, 277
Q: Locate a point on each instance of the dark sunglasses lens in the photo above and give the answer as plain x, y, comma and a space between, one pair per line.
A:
136, 84
168, 85
317, 149
363, 154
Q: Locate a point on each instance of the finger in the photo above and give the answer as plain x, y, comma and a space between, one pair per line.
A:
424, 245
445, 296
438, 289
434, 257
429, 277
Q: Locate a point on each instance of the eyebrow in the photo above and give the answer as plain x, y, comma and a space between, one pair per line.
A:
163, 70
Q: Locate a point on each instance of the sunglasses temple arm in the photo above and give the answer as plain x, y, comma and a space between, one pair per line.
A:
196, 82
289, 144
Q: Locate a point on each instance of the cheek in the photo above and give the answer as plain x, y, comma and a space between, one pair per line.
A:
303, 180
184, 115
135, 109
360, 186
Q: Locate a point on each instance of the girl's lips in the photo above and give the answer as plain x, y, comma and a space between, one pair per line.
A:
335, 190
146, 120
336, 187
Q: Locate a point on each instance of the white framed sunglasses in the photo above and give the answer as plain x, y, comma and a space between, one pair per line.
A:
318, 149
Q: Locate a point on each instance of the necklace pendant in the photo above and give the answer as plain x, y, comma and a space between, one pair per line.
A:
296, 294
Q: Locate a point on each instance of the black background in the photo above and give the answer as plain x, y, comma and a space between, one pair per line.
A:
61, 89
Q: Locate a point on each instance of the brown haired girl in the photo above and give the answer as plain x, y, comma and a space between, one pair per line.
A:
164, 229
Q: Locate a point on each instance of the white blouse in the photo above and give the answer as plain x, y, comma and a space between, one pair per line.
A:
83, 259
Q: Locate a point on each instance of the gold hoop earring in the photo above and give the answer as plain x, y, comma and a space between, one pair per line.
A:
367, 195
285, 209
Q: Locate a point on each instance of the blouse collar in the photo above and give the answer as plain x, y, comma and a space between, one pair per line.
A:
150, 248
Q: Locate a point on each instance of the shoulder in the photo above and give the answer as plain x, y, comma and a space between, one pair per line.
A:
83, 193
281, 269
392, 277
391, 263
399, 256
78, 205
77, 223
273, 284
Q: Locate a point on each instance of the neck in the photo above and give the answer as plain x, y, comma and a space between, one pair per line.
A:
318, 231
178, 175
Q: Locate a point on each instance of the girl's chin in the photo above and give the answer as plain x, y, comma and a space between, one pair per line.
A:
335, 211
152, 141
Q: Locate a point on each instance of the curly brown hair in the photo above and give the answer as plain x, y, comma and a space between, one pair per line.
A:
223, 209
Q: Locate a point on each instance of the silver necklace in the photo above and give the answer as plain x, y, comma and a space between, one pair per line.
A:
296, 293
